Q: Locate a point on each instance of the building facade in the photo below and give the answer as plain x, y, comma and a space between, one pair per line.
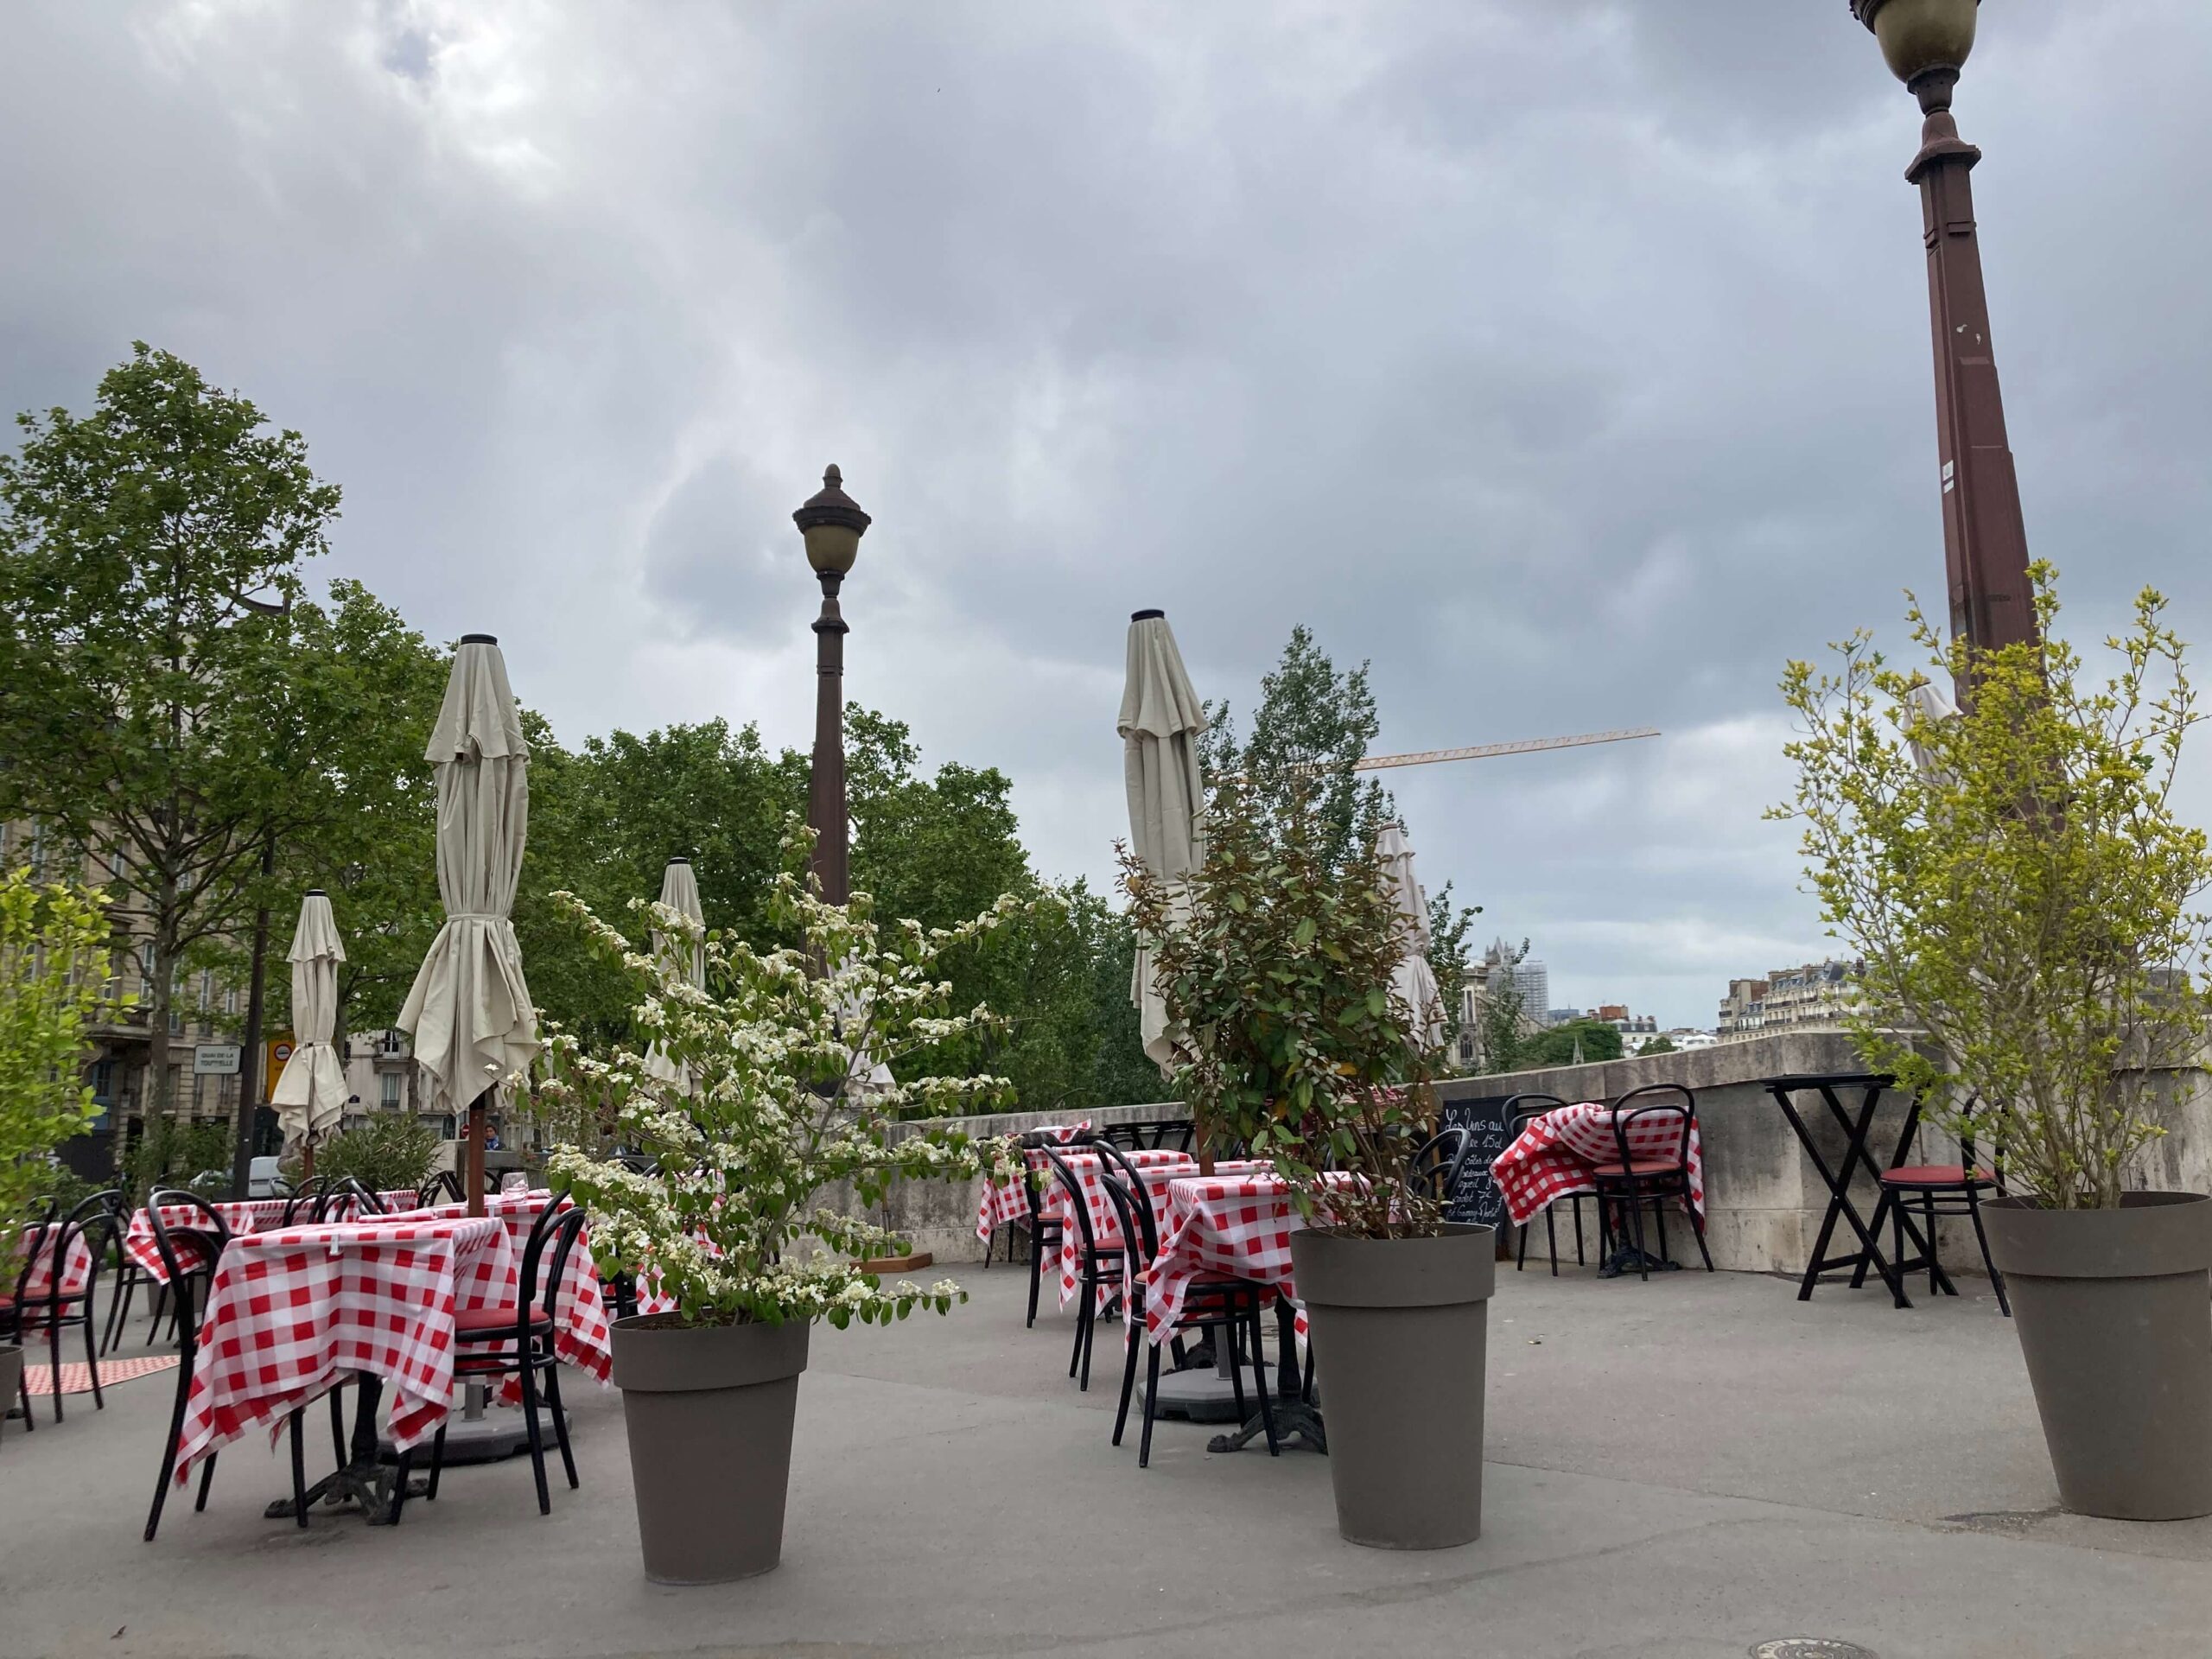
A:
1812, 996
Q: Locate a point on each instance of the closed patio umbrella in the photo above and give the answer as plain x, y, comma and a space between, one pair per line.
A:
679, 891
1160, 722
1413, 980
311, 1095
470, 1011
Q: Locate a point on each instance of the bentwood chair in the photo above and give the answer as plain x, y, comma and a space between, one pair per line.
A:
182, 1250
46, 1246
346, 1199
1218, 1302
1519, 1112
305, 1201
444, 1187
519, 1341
1043, 1234
1098, 1267
1942, 1190
1153, 1135
1435, 1167
1628, 1183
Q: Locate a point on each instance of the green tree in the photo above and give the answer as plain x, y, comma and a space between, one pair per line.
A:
149, 554
1557, 1044
2024, 897
54, 982
1502, 1015
1657, 1045
1447, 958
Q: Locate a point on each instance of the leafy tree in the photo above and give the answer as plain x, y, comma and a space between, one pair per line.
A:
2014, 876
1314, 726
149, 553
1657, 1045
54, 982
1447, 958
1557, 1044
1502, 1014
393, 1151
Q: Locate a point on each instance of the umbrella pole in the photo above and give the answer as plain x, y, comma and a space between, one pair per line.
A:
307, 1162
476, 1121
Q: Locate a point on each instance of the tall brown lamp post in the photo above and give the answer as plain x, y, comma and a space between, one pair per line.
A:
832, 523
1984, 539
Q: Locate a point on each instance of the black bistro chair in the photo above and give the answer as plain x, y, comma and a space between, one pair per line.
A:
1153, 1135
189, 1256
1228, 1305
1044, 1236
518, 1340
444, 1187
46, 1244
346, 1199
1628, 1183
1434, 1171
1942, 1190
305, 1202
1098, 1265
1519, 1112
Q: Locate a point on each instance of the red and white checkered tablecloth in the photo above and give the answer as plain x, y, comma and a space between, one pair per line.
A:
1238, 1221
581, 1338
1004, 1203
243, 1217
292, 1311
36, 1245
1554, 1158
1154, 1167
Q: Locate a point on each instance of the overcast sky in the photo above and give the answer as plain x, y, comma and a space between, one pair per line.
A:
1568, 359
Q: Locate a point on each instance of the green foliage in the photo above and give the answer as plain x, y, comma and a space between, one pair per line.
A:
1557, 1044
1447, 959
155, 714
1502, 1015
54, 946
179, 1152
1276, 958
391, 1151
758, 1100
1314, 726
2015, 879
1657, 1045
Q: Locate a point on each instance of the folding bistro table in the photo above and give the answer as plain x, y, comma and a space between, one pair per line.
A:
1857, 1124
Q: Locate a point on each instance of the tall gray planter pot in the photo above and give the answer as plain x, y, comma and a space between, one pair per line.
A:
710, 1410
2114, 1313
11, 1377
1400, 1331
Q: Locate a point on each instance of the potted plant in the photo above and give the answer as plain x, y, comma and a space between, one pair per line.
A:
54, 982
1277, 957
776, 1099
2025, 901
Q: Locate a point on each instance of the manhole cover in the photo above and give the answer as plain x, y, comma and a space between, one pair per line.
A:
1810, 1647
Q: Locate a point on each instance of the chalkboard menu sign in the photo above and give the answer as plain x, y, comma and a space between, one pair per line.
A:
1475, 1198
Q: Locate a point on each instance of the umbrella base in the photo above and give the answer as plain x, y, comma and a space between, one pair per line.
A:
497, 1433
1207, 1395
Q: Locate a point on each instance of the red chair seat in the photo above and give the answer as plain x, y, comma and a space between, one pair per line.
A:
478, 1323
1640, 1166
1935, 1175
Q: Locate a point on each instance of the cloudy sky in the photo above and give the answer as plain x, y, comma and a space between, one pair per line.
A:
1568, 359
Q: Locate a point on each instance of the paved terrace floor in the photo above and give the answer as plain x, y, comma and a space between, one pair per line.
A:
1683, 1468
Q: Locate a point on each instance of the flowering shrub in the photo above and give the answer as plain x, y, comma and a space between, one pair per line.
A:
778, 1092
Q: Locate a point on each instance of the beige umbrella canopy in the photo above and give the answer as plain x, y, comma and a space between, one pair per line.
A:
470, 1010
1160, 721
1413, 980
310, 1095
679, 891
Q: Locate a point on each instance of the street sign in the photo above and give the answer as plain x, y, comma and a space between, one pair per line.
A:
216, 1060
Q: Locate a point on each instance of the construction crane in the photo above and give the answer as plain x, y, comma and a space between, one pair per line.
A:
1484, 751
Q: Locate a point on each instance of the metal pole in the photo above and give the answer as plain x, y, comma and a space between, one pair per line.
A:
1984, 537
250, 1059
825, 790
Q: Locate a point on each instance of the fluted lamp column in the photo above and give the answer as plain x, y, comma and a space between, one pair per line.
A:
832, 525
1925, 43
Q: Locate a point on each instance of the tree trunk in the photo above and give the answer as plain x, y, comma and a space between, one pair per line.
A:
250, 1088
159, 1102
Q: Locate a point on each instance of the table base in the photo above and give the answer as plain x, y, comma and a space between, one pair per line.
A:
1293, 1418
1629, 1259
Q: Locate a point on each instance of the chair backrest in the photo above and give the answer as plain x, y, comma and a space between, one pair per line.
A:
100, 1217
39, 1237
554, 1231
1132, 1201
207, 1234
1521, 1110
1077, 1206
1670, 1097
637, 1162
1435, 1167
444, 1187
305, 1202
344, 1194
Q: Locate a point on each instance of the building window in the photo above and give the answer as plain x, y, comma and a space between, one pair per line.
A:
389, 1091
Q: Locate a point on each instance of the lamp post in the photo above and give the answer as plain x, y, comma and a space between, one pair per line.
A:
832, 525
1925, 42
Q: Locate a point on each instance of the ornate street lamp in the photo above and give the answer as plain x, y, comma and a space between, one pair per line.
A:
1925, 43
832, 523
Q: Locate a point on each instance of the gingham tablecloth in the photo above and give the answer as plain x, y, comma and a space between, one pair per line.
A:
292, 1311
1236, 1221
581, 1338
1554, 1156
1004, 1203
243, 1217
37, 1244
1156, 1166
